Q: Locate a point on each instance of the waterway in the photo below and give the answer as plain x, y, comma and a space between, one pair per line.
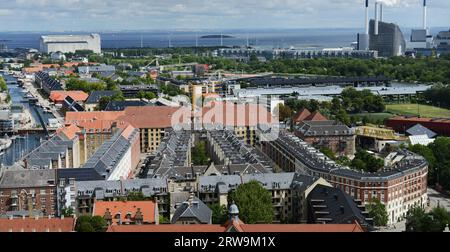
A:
22, 144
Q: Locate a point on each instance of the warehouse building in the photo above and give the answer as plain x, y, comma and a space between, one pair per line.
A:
70, 43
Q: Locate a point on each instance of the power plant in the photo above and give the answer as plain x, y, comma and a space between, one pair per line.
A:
385, 38
420, 38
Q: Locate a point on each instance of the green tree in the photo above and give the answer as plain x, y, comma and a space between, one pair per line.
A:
98, 223
254, 202
140, 95
328, 152
87, 223
199, 155
150, 95
136, 196
417, 220
219, 213
85, 227
284, 112
163, 219
67, 211
377, 211
366, 162
441, 215
103, 102
83, 224
3, 86
343, 117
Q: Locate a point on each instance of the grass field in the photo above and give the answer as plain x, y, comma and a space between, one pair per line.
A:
413, 109
375, 116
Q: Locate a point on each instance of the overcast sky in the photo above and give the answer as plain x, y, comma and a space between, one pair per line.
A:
104, 15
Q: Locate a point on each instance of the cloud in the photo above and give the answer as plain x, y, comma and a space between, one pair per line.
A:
154, 14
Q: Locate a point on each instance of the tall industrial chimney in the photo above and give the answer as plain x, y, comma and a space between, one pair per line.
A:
376, 19
424, 14
367, 18
363, 39
381, 12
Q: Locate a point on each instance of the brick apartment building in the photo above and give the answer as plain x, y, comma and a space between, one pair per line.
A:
400, 186
28, 190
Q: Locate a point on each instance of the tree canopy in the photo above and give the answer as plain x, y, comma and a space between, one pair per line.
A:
199, 155
437, 155
87, 223
219, 214
417, 220
377, 211
78, 84
254, 202
364, 161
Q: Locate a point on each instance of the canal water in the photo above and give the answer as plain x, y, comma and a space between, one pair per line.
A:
22, 144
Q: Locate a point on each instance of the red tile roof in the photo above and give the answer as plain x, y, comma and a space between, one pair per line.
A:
39, 225
172, 228
70, 131
147, 117
230, 114
316, 116
276, 228
139, 117
59, 96
301, 115
280, 228
148, 209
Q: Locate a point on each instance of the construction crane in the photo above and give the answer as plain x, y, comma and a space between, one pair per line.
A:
151, 62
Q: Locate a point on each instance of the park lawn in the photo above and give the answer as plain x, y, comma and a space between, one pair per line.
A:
412, 109
374, 116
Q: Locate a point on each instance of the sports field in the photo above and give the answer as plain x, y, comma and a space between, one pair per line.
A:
414, 109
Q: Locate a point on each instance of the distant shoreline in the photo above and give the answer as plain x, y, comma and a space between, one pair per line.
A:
216, 36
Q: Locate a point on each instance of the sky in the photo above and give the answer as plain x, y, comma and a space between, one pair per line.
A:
117, 15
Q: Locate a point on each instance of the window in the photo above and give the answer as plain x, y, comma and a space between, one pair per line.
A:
42, 191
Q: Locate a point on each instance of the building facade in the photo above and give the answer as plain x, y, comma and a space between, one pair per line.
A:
400, 187
70, 43
28, 190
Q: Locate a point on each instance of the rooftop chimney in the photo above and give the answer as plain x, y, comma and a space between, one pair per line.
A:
424, 14
376, 19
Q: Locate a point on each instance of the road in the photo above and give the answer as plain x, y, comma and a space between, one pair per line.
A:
46, 103
437, 198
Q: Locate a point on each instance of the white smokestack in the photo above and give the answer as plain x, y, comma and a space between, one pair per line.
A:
367, 18
424, 14
376, 19
381, 12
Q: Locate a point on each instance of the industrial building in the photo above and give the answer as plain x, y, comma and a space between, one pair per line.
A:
402, 124
70, 43
385, 38
442, 41
421, 40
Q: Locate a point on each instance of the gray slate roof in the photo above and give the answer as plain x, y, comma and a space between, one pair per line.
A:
194, 208
28, 178
323, 128
95, 96
419, 129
